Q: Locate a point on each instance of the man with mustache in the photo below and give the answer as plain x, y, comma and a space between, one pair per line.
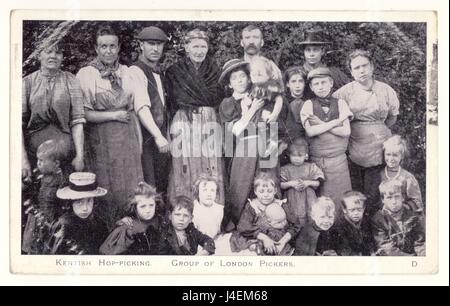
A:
153, 119
252, 41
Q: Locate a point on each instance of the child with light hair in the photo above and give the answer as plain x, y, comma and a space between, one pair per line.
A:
315, 237
395, 151
397, 229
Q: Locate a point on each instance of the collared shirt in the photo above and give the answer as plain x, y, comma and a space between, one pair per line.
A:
142, 81
93, 84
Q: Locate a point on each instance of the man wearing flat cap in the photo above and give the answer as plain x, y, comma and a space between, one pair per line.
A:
153, 119
314, 49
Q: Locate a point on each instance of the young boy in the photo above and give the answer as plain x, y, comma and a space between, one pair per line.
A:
315, 237
354, 229
397, 229
181, 237
49, 157
327, 123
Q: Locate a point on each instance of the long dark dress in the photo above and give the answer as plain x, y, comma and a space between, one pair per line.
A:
113, 147
194, 95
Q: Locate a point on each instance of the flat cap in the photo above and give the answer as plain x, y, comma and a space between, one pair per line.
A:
319, 73
152, 33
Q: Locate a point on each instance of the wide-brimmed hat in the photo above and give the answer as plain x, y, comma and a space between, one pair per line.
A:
230, 66
314, 37
81, 185
152, 33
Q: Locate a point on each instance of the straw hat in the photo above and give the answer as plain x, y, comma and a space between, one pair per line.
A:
81, 185
230, 66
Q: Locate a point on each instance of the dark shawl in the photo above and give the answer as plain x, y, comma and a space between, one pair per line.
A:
189, 88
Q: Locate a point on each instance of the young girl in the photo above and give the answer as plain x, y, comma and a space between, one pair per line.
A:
138, 233
395, 150
245, 162
207, 215
299, 179
295, 80
79, 231
327, 124
181, 237
253, 219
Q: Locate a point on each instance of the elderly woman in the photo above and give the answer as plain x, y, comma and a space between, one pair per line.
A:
375, 107
52, 108
194, 94
112, 133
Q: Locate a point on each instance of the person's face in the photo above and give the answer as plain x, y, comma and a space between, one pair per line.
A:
45, 164
83, 207
197, 49
107, 49
393, 201
207, 192
152, 50
313, 54
265, 193
259, 74
392, 157
50, 58
278, 222
145, 207
180, 218
252, 41
355, 209
297, 158
323, 219
296, 85
361, 69
239, 81
321, 86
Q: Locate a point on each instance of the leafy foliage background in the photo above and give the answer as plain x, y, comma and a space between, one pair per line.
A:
399, 53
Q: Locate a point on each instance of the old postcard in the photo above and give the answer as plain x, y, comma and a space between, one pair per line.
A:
224, 142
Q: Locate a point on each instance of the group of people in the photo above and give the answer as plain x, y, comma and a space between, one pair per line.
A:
134, 160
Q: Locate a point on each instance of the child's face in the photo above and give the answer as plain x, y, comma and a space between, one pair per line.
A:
393, 201
45, 164
83, 207
180, 218
393, 157
296, 85
297, 158
207, 192
265, 192
239, 81
278, 222
313, 54
259, 74
321, 86
145, 207
355, 208
323, 219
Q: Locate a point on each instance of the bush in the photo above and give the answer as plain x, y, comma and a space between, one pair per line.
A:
399, 52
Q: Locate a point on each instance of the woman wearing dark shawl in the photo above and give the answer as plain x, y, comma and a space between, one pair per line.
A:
194, 95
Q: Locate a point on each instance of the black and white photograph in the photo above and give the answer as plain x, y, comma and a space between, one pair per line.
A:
244, 144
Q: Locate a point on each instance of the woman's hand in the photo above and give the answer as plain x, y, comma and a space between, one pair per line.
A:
297, 185
272, 118
78, 163
122, 116
26, 172
163, 144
